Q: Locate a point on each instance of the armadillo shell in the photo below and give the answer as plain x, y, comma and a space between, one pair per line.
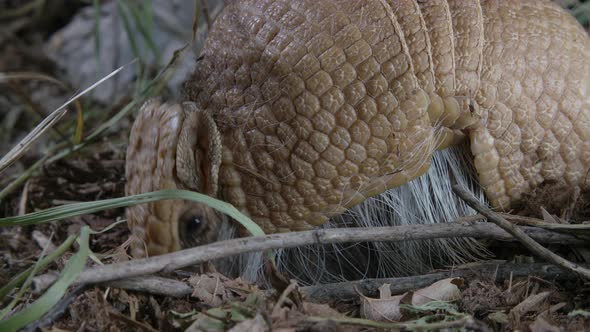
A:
321, 104
324, 103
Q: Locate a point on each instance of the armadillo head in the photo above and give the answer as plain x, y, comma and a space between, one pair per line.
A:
173, 146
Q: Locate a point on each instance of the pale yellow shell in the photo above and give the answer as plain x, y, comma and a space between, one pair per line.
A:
320, 104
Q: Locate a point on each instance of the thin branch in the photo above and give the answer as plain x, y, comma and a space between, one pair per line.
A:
154, 285
194, 256
519, 234
463, 322
497, 271
344, 291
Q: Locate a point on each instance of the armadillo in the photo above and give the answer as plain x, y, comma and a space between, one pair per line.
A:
300, 110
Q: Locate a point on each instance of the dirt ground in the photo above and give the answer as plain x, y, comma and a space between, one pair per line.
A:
483, 301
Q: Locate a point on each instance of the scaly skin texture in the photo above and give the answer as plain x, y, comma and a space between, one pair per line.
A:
534, 101
305, 108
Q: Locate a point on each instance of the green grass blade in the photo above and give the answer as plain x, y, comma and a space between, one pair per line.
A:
143, 19
26, 143
38, 308
15, 153
21, 277
36, 268
161, 77
153, 86
124, 11
71, 210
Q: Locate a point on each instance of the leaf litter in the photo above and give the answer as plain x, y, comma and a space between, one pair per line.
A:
219, 303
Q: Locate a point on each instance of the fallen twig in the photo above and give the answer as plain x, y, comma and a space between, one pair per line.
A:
343, 291
519, 234
497, 271
228, 248
154, 285
463, 322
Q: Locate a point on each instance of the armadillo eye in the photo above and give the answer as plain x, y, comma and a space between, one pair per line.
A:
194, 224
190, 229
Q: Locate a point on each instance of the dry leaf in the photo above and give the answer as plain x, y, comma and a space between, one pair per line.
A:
541, 325
241, 287
210, 289
547, 217
443, 290
208, 322
531, 303
385, 291
499, 317
321, 310
131, 300
554, 308
256, 324
54, 329
386, 308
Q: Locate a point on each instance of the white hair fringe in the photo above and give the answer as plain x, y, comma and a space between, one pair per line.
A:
428, 199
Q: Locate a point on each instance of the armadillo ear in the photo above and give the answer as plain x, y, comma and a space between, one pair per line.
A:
198, 153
